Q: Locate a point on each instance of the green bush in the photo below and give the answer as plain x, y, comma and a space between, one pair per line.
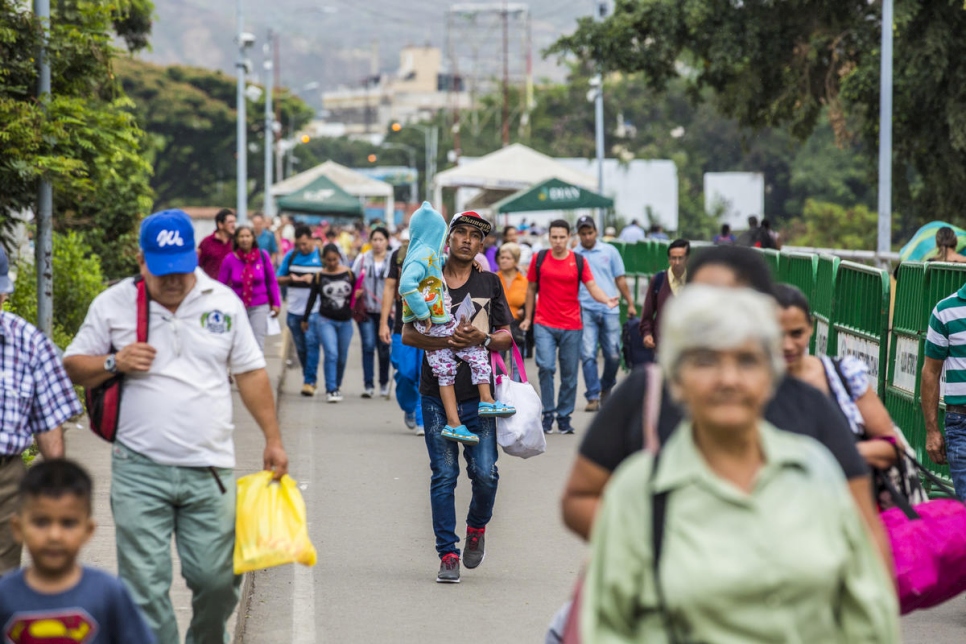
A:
77, 281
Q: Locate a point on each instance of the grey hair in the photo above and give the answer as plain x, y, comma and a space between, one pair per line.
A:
710, 317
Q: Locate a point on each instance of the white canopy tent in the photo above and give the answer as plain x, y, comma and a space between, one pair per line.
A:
355, 183
508, 170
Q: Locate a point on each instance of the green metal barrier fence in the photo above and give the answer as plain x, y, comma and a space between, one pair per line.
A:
801, 271
909, 323
773, 259
860, 317
823, 304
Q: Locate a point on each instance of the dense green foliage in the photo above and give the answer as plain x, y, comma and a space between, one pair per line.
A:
786, 63
77, 281
190, 115
83, 138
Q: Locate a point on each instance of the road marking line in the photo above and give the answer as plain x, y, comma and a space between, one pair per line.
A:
303, 583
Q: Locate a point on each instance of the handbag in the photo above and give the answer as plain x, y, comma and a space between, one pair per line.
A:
928, 545
650, 415
522, 433
103, 402
358, 304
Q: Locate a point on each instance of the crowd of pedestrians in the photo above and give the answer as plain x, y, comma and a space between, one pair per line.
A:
725, 488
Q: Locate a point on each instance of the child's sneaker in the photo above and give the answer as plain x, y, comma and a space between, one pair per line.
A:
460, 434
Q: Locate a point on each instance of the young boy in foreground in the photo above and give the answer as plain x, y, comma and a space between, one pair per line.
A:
55, 599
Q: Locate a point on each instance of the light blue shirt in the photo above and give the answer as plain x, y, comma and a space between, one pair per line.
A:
606, 266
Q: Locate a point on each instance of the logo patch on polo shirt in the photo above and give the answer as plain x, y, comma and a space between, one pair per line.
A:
216, 322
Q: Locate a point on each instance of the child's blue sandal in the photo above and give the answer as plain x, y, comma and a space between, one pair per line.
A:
496, 409
460, 435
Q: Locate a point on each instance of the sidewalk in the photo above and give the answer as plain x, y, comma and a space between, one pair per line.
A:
83, 446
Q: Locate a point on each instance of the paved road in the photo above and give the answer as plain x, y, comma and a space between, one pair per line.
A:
365, 479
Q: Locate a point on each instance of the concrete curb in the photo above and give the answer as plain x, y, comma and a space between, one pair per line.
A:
248, 580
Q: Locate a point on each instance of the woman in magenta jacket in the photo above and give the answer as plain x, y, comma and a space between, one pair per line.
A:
248, 271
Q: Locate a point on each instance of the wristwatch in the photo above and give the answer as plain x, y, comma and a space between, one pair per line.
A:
110, 365
486, 343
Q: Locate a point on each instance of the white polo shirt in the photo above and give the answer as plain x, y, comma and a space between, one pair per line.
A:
179, 412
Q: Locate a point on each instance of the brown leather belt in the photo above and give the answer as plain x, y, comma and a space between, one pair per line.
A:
956, 409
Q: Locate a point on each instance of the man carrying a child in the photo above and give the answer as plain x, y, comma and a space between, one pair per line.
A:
492, 314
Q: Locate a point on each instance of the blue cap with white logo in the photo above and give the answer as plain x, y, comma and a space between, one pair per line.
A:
168, 243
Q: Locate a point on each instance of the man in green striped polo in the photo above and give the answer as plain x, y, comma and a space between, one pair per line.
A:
946, 347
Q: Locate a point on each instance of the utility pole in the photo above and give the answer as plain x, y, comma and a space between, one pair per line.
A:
269, 206
885, 133
241, 148
600, 10
506, 73
43, 244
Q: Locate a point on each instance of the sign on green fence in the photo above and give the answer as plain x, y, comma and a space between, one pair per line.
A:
860, 317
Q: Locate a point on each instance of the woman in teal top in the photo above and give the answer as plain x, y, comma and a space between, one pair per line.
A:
762, 541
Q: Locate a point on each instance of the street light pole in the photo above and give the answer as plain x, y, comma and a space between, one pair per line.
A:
241, 151
269, 206
599, 9
43, 244
885, 132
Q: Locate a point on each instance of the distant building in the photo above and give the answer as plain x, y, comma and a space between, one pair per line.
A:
415, 92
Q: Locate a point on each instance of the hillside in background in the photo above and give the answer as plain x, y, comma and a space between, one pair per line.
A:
334, 43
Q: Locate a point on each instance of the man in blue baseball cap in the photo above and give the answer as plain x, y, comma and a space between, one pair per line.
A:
172, 470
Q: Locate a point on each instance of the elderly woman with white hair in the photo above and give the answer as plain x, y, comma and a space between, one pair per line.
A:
735, 531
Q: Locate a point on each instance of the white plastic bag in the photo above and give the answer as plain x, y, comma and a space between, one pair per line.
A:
273, 327
521, 434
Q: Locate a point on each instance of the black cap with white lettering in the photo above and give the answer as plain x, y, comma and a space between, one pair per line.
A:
586, 220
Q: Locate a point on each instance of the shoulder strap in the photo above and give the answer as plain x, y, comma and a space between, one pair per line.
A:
580, 269
658, 283
143, 309
541, 256
658, 520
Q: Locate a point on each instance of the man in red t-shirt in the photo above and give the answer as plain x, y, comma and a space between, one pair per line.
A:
215, 247
557, 275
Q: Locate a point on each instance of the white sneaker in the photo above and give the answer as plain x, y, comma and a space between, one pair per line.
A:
420, 431
384, 391
332, 397
369, 391
338, 395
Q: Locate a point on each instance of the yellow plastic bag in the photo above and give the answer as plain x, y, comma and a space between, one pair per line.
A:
270, 525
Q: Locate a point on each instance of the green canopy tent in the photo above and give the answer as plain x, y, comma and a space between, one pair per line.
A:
552, 194
321, 197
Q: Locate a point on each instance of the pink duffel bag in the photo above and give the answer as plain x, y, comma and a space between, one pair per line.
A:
929, 549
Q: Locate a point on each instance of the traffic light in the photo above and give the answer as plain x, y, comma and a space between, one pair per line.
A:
305, 138
396, 126
372, 158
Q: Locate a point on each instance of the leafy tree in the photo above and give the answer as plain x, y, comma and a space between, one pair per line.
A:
786, 63
189, 115
827, 225
83, 138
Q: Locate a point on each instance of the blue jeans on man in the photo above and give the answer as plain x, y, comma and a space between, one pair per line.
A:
603, 329
294, 323
548, 340
956, 451
445, 464
334, 337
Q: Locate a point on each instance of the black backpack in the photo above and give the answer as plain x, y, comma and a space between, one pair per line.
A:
542, 255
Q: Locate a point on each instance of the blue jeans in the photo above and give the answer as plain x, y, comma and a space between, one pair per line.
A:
369, 332
547, 340
294, 323
334, 336
956, 451
445, 464
408, 362
603, 329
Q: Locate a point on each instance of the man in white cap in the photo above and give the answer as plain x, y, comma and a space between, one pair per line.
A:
172, 469
36, 399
